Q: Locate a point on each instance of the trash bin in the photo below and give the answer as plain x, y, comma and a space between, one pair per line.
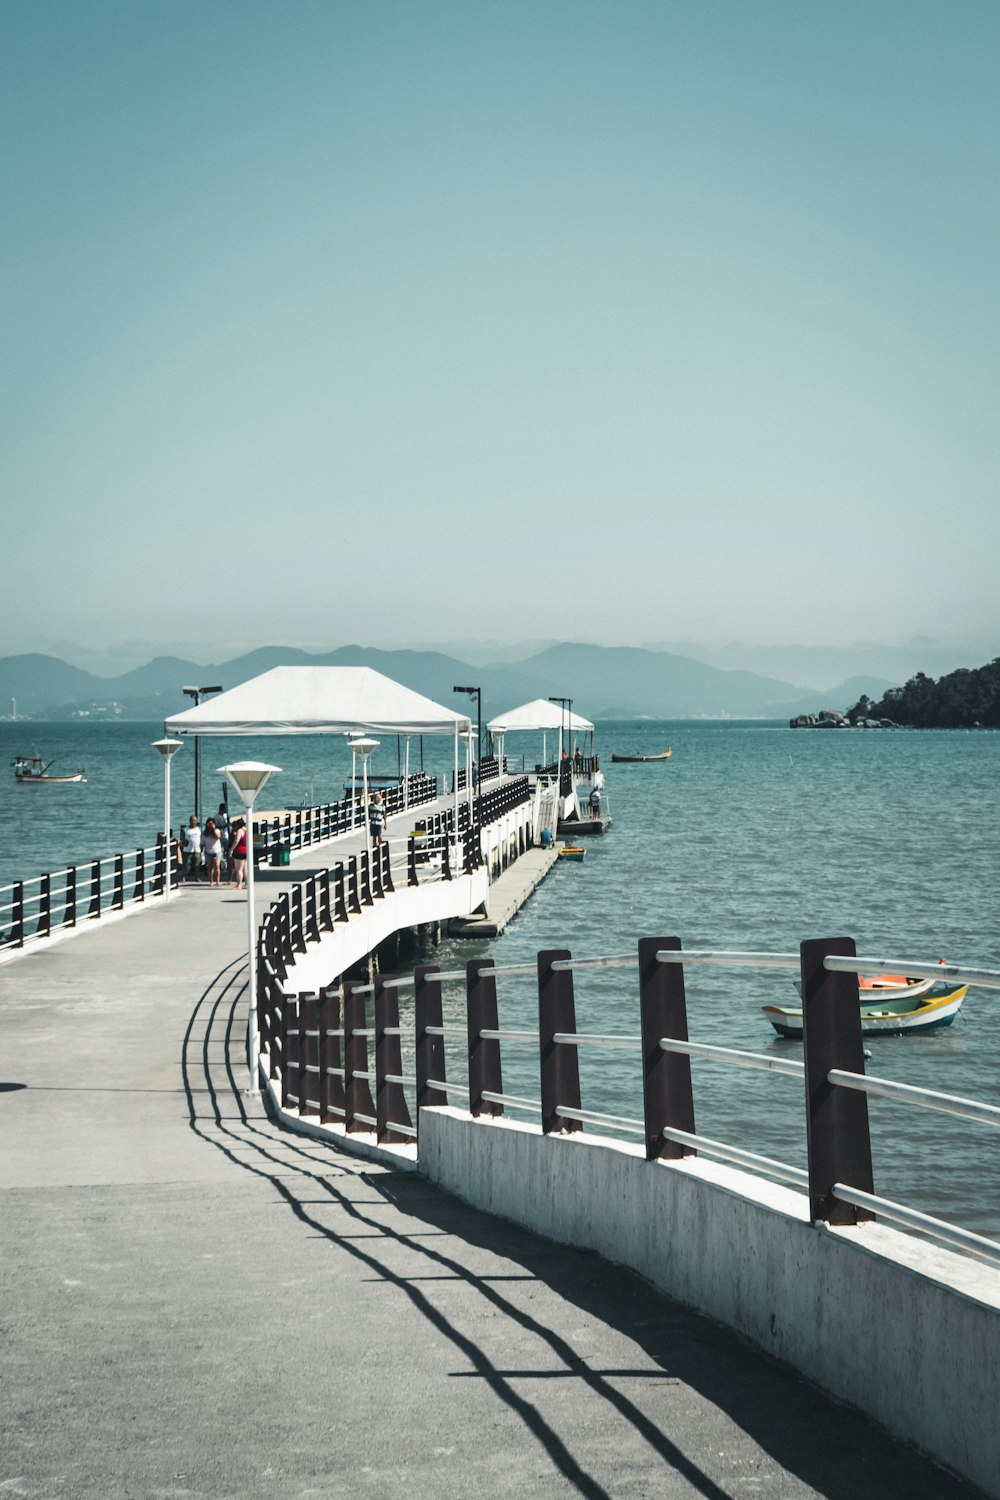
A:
280, 854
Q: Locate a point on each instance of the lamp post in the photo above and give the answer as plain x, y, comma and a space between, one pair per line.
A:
476, 693
567, 714
247, 777
168, 749
364, 748
195, 693
352, 739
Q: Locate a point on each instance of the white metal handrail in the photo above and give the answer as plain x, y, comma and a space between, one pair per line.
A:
594, 1117
496, 970
906, 1093
734, 959
488, 1034
912, 1219
447, 1088
592, 1039
513, 1100
734, 1055
724, 1152
838, 963
610, 961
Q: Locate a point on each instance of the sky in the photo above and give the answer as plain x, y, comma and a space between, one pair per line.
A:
407, 321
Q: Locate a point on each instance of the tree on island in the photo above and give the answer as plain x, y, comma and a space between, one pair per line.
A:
965, 699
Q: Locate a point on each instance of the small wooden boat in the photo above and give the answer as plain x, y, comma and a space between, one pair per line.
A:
888, 1010
663, 755
32, 769
572, 851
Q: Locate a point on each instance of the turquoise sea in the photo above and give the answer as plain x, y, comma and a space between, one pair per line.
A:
752, 836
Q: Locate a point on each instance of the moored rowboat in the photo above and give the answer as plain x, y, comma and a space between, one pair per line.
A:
926, 1005
663, 755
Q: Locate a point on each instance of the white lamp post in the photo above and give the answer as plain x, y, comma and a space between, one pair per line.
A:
168, 749
352, 740
364, 748
247, 777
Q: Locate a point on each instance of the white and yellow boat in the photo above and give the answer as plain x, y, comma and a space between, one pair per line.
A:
890, 1006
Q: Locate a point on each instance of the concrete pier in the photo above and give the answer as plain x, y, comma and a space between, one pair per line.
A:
198, 1303
508, 893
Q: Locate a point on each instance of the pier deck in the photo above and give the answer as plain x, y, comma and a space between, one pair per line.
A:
198, 1303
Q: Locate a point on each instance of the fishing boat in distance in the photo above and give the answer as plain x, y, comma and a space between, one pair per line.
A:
890, 1006
663, 755
31, 770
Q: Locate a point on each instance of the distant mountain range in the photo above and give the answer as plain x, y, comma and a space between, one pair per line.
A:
604, 683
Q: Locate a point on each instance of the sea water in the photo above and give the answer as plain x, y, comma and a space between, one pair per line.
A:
751, 836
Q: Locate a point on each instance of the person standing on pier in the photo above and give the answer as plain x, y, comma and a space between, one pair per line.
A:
376, 818
213, 853
238, 856
192, 849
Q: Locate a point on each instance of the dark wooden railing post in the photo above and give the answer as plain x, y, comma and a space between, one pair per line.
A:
354, 890
485, 1075
331, 1080
390, 1100
411, 861
160, 865
69, 914
95, 889
44, 907
309, 1092
325, 906
118, 884
560, 1063
666, 1076
291, 1051
428, 1010
364, 864
340, 893
312, 910
837, 1119
387, 884
17, 915
139, 889
357, 1094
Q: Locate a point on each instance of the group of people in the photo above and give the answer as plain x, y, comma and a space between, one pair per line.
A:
206, 854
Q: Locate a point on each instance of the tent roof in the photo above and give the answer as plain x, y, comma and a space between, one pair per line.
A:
537, 715
318, 700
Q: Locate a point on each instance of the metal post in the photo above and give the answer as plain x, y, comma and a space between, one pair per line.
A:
390, 1101
485, 1074
309, 1091
331, 1081
253, 1039
428, 1010
666, 1076
357, 1094
837, 1119
560, 1064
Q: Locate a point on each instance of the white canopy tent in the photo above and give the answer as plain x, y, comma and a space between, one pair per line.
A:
540, 715
322, 700
319, 700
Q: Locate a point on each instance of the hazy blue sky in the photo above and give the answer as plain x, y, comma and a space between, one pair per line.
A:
630, 321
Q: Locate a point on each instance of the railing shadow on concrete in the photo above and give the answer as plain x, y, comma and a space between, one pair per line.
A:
672, 1346
338, 1070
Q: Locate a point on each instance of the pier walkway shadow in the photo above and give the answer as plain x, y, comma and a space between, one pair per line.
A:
199, 1303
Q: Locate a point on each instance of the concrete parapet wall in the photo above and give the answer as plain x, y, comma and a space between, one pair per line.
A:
907, 1332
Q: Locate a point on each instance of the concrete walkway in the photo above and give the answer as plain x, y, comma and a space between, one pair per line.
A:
195, 1303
